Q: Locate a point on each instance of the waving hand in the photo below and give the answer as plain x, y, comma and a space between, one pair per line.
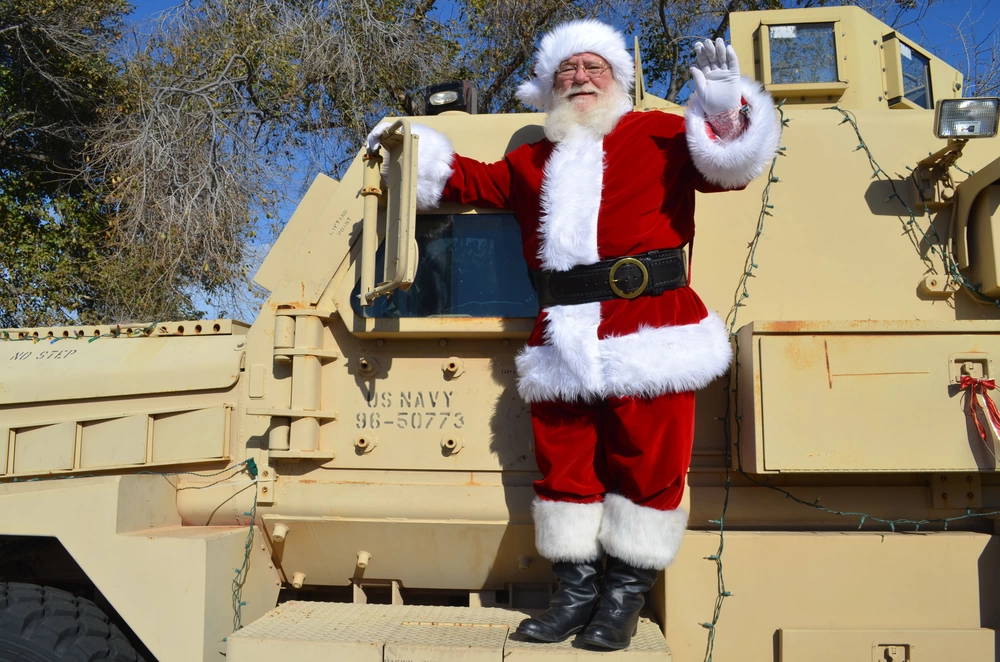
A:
716, 76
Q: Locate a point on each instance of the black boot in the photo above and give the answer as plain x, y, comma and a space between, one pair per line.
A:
617, 613
570, 606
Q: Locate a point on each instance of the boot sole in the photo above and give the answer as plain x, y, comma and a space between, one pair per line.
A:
601, 643
547, 640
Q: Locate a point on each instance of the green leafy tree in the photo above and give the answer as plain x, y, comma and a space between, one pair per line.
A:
227, 99
230, 98
55, 77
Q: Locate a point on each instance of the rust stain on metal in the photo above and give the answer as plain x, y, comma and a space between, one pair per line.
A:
794, 354
787, 326
826, 355
804, 356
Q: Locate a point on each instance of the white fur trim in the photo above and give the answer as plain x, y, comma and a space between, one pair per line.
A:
733, 163
572, 332
434, 158
570, 200
647, 363
641, 536
567, 228
567, 531
566, 40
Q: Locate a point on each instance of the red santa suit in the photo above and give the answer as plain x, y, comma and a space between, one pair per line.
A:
611, 383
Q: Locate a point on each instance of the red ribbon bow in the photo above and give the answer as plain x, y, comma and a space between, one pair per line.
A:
973, 386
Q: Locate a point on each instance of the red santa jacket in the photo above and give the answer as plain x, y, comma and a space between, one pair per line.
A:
588, 198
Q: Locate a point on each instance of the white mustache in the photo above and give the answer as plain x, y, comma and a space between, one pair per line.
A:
576, 89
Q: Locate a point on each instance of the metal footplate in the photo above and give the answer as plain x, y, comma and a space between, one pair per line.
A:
324, 631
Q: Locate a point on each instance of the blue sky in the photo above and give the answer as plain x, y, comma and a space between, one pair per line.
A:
933, 31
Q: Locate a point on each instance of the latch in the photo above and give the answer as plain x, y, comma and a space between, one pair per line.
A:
972, 372
969, 364
891, 653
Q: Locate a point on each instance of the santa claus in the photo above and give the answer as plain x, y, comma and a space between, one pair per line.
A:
605, 205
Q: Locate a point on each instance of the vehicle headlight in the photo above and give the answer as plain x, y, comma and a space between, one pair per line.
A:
442, 98
966, 118
458, 95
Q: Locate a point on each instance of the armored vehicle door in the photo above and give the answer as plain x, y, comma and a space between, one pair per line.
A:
394, 339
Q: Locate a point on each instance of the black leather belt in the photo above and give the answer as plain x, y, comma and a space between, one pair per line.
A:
649, 273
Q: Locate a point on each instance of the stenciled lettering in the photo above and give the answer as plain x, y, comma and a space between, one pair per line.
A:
424, 399
46, 355
410, 410
439, 397
383, 400
54, 355
411, 420
410, 399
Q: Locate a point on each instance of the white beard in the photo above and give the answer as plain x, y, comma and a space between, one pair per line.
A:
599, 119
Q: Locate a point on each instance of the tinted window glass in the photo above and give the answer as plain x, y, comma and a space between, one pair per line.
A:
470, 266
916, 76
803, 53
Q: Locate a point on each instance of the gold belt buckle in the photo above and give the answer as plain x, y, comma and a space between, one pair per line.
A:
614, 285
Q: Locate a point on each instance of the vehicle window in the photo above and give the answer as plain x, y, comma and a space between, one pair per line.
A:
470, 266
803, 53
916, 76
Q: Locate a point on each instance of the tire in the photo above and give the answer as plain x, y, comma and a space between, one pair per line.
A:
45, 624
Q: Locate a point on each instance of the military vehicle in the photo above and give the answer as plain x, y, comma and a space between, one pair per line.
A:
349, 477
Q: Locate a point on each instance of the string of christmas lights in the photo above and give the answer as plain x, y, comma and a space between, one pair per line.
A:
911, 226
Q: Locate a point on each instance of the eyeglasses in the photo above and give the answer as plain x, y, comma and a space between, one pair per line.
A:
592, 69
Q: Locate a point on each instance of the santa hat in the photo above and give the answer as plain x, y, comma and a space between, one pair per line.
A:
566, 40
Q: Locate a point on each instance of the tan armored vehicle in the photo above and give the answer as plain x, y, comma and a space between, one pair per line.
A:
349, 477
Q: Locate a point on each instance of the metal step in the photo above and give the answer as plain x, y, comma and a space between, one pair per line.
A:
324, 631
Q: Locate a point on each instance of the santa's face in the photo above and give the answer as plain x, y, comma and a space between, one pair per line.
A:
582, 79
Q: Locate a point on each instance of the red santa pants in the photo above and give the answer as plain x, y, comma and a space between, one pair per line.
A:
613, 475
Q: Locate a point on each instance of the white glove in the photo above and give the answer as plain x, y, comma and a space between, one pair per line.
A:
434, 158
373, 136
716, 76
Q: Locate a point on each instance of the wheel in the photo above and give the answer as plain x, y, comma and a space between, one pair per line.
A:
45, 624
